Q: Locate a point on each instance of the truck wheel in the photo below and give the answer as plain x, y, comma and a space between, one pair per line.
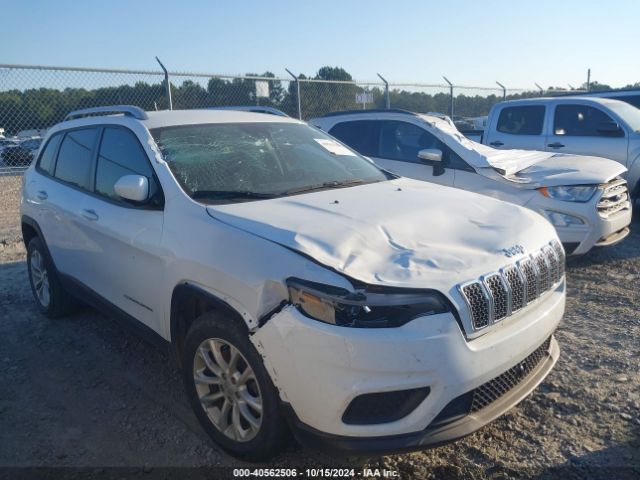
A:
49, 294
231, 391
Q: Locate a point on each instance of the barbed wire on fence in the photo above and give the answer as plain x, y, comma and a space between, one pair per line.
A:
35, 97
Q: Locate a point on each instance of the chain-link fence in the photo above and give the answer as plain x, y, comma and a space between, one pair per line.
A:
33, 98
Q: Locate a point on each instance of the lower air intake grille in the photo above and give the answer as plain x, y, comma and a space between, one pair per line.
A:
486, 394
383, 407
496, 388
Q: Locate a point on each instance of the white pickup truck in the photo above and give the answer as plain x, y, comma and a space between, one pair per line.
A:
583, 197
581, 125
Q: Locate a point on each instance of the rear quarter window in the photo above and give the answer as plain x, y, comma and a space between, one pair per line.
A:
47, 160
524, 120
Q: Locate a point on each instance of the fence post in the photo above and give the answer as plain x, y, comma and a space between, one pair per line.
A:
387, 100
504, 91
297, 92
451, 97
541, 89
167, 84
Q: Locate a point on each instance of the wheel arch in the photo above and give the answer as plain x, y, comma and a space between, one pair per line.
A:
30, 229
189, 302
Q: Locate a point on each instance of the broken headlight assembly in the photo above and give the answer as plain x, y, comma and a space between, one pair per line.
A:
373, 307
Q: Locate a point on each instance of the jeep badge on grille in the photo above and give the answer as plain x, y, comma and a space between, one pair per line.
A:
511, 251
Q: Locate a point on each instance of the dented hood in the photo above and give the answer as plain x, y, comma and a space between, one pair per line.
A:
544, 168
401, 232
564, 169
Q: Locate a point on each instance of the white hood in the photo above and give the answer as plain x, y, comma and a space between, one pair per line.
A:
547, 168
401, 232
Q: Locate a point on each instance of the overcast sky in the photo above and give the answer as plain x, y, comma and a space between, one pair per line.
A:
471, 42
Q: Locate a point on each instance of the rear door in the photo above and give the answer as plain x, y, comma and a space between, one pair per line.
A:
581, 129
125, 237
518, 126
62, 192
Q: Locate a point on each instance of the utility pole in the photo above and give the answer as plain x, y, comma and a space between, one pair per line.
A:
450, 96
588, 80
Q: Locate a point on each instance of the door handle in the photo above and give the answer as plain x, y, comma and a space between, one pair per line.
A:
90, 215
42, 195
555, 145
496, 143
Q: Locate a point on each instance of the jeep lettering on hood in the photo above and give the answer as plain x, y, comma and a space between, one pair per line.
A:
407, 234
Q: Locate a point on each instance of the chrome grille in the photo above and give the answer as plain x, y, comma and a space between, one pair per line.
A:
531, 277
560, 255
542, 266
479, 304
615, 198
516, 285
552, 261
500, 294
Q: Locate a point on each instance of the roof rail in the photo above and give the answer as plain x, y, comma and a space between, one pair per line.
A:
129, 110
373, 110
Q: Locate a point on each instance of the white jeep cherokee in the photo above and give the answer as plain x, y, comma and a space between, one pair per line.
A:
300, 286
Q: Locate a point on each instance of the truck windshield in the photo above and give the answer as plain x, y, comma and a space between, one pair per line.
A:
629, 113
226, 163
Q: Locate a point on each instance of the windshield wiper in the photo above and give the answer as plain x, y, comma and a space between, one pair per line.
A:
231, 195
326, 185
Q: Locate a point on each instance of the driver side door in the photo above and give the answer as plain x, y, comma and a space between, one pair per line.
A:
398, 145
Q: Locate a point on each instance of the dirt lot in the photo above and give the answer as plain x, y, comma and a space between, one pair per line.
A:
84, 392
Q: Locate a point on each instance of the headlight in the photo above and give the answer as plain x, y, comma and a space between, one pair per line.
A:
569, 193
375, 308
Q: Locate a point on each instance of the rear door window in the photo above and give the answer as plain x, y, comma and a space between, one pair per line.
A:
75, 156
361, 135
579, 121
523, 120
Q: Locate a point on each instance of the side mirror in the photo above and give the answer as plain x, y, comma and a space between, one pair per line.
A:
430, 155
132, 187
610, 129
433, 155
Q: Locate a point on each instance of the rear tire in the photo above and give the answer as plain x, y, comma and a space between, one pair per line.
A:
51, 298
230, 390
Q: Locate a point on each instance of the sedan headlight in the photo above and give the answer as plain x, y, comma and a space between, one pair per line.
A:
569, 193
374, 308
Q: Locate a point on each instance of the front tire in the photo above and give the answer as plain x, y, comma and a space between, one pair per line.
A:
51, 298
231, 391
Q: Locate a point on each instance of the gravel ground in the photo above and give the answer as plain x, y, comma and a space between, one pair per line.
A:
84, 392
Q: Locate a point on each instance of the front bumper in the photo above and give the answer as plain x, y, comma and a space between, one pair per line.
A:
596, 230
319, 368
433, 435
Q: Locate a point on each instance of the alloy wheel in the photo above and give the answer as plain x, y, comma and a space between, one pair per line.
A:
228, 390
40, 278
